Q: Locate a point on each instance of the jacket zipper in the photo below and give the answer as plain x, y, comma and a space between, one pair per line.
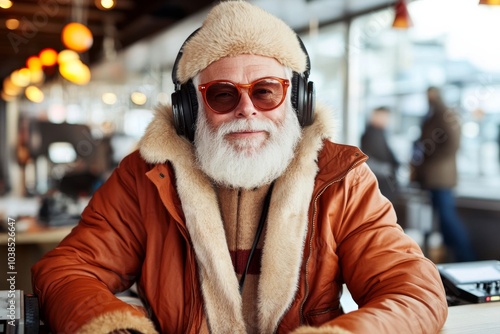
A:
193, 294
192, 275
313, 227
185, 233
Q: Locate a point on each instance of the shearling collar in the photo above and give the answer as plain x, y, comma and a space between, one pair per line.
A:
286, 225
161, 143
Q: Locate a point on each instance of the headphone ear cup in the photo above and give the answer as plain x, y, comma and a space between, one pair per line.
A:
295, 96
177, 113
185, 110
303, 99
299, 96
190, 110
310, 102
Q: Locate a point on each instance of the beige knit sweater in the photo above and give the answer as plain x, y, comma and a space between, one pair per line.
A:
241, 211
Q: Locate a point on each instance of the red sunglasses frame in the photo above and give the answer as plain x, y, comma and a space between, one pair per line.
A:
285, 83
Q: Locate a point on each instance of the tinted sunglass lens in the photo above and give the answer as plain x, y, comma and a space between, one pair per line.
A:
222, 97
267, 94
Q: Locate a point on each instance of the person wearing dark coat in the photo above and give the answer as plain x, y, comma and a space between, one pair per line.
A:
434, 168
381, 158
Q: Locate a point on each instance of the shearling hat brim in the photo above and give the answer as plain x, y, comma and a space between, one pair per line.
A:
237, 27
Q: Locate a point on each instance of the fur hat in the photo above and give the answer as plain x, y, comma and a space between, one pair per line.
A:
237, 27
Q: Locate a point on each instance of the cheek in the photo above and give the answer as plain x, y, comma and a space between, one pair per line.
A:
276, 116
215, 120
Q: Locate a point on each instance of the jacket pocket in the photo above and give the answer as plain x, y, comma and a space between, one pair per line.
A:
321, 316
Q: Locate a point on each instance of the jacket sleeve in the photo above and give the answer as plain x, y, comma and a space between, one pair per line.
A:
77, 280
397, 289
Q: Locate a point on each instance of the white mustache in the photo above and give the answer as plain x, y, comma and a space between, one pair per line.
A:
246, 126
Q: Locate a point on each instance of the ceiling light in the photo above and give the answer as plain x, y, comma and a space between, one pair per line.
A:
10, 88
34, 94
76, 36
48, 57
489, 2
36, 76
67, 55
109, 98
138, 98
402, 18
21, 77
34, 63
12, 24
5, 4
7, 97
104, 4
75, 71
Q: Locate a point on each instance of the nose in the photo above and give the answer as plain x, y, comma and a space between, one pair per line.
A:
245, 107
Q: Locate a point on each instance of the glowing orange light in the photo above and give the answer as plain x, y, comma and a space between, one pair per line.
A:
489, 2
21, 77
7, 98
402, 19
5, 4
105, 4
48, 57
76, 36
11, 88
75, 71
34, 63
66, 56
37, 76
12, 24
34, 94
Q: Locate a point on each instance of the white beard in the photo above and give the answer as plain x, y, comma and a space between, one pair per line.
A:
246, 163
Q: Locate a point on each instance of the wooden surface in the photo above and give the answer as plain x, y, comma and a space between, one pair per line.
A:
30, 246
39, 236
473, 319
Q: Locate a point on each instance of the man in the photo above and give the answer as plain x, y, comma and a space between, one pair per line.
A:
434, 167
255, 226
382, 160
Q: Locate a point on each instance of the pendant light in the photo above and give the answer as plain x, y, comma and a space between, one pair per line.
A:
402, 18
490, 2
76, 35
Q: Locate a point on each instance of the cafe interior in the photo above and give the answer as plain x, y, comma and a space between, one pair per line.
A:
80, 80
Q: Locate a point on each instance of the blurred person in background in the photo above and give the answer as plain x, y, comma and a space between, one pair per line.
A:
381, 158
434, 168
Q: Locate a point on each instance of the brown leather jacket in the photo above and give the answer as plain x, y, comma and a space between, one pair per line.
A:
156, 222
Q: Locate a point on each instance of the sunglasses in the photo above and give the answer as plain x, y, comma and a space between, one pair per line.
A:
223, 96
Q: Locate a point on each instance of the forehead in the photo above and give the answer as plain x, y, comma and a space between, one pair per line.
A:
242, 68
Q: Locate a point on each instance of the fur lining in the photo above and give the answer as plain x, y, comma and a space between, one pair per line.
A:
161, 143
321, 330
286, 231
108, 322
238, 27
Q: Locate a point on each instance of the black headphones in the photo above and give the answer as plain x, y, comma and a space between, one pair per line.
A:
185, 102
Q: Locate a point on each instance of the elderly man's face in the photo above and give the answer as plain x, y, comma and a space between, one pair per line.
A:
245, 147
244, 69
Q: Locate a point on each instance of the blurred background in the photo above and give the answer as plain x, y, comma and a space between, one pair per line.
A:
80, 80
